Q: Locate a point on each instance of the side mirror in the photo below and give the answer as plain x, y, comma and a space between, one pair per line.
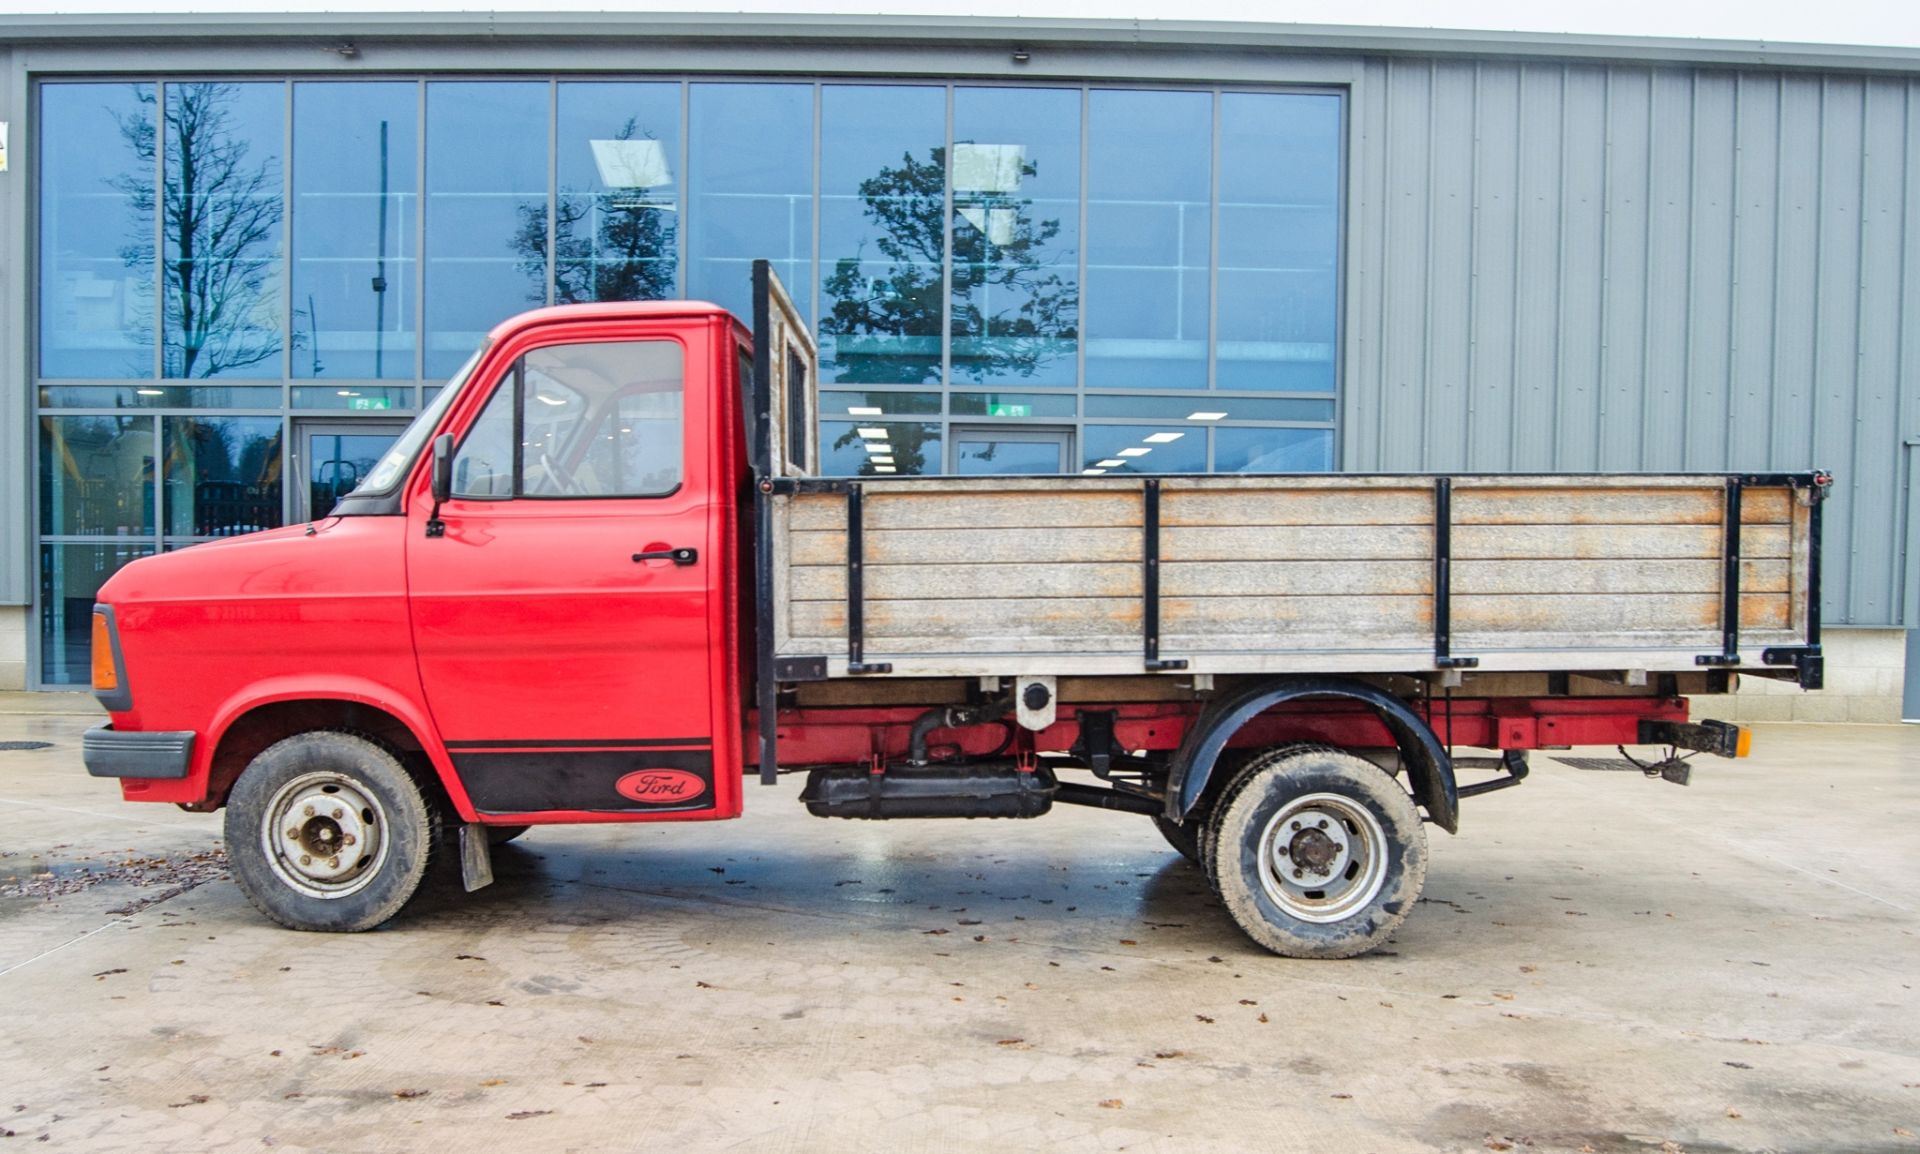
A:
440, 482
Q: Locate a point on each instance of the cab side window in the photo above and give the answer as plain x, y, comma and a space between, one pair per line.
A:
587, 420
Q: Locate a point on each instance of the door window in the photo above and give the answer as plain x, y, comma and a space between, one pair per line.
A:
594, 420
1009, 451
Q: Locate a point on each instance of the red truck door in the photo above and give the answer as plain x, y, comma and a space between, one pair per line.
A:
562, 619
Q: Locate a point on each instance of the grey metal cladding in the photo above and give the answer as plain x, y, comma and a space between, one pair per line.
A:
1570, 266
15, 430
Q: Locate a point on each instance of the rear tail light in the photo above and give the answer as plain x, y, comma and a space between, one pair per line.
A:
105, 674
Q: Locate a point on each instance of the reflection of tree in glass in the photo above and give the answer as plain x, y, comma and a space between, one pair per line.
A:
221, 218
1007, 259
613, 245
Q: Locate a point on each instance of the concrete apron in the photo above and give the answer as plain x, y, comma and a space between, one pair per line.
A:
1602, 962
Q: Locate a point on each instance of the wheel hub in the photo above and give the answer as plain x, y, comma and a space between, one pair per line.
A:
324, 834
1323, 857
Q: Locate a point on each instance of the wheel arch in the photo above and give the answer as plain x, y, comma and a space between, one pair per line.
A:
1429, 769
250, 722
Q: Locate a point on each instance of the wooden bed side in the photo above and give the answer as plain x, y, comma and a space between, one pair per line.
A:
982, 575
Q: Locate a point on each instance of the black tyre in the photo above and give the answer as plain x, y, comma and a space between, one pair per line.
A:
1318, 853
326, 831
1227, 771
1182, 836
502, 834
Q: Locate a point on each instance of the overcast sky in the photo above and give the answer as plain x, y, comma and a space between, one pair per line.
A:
1881, 22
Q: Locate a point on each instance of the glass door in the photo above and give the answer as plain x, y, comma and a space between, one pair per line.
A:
1003, 451
331, 457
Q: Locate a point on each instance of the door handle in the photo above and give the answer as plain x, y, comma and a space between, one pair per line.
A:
677, 556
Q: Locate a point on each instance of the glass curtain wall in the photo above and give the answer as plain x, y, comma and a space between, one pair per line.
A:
1124, 279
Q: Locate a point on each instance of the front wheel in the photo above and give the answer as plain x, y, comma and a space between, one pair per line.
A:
1318, 853
326, 831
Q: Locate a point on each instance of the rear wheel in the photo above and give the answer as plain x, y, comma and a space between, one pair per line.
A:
326, 831
1317, 853
1182, 836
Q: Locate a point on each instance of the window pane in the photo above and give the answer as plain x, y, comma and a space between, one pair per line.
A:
1148, 206
340, 462
160, 397
882, 244
486, 212
603, 420
96, 476
483, 465
1145, 449
987, 454
750, 177
1013, 404
617, 220
1279, 240
1016, 213
1273, 450
1239, 408
365, 398
96, 230
70, 579
909, 447
221, 224
356, 154
877, 403
223, 475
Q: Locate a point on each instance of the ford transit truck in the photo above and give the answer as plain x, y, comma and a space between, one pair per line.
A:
600, 579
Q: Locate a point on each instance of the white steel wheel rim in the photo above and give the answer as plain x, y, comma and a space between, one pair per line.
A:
1322, 858
325, 835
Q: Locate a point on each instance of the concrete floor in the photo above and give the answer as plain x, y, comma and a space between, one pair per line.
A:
1602, 963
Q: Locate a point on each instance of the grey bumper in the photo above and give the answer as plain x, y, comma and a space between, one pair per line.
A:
110, 753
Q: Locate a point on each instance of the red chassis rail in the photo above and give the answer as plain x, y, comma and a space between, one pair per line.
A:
824, 735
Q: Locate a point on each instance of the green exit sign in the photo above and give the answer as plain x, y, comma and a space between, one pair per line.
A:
1009, 410
369, 403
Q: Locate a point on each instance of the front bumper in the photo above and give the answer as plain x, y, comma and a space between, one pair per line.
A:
111, 753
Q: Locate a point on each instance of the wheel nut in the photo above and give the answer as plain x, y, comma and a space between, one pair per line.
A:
305, 860
1323, 821
339, 813
333, 863
347, 840
309, 811
293, 833
1298, 873
1296, 825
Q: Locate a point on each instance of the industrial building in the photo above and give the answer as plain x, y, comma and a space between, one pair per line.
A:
236, 253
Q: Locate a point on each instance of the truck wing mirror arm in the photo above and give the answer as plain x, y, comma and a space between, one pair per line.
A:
441, 482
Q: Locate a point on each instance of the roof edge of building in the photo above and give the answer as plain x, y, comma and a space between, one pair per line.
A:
936, 31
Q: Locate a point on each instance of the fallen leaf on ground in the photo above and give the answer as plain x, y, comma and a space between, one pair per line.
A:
1203, 1018
1737, 1065
411, 1093
1164, 1054
1340, 1095
1498, 1144
1128, 942
1020, 1042
192, 1100
1733, 1113
1263, 1018
468, 958
523, 1115
1248, 1002
1112, 1104
494, 1082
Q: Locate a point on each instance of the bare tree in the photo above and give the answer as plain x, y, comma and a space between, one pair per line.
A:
220, 216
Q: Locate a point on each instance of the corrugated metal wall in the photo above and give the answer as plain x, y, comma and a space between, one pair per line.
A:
1578, 267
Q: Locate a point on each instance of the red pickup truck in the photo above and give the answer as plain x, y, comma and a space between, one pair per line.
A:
596, 581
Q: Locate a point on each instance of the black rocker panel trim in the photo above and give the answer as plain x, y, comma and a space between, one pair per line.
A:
600, 781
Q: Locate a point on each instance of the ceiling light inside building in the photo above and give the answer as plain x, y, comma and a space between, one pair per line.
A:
1092, 472
1204, 416
1136, 451
863, 410
884, 469
880, 434
1164, 438
1111, 463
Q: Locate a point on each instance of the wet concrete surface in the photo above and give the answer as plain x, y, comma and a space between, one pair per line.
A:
1602, 963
